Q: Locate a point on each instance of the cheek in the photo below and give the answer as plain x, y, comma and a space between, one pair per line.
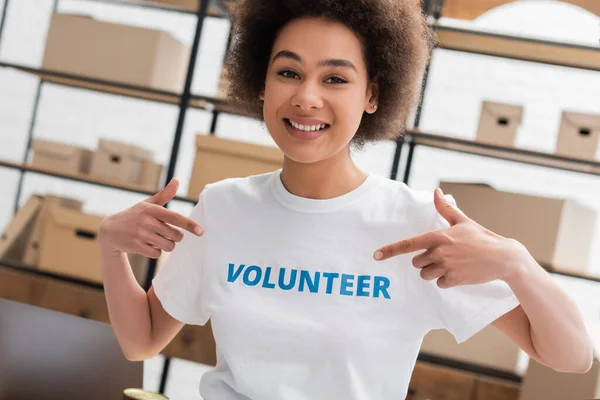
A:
349, 113
275, 97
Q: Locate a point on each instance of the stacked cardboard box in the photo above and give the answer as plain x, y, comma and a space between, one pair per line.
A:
218, 159
53, 235
499, 123
112, 161
81, 45
557, 232
579, 136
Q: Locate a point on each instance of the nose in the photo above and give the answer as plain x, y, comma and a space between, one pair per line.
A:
307, 97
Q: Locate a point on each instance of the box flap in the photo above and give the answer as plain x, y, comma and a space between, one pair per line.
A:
25, 217
480, 184
124, 149
239, 149
70, 219
55, 149
73, 204
505, 110
581, 120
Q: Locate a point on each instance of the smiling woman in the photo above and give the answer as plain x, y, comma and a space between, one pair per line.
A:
304, 302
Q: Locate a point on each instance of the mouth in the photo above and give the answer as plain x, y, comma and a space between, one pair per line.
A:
306, 131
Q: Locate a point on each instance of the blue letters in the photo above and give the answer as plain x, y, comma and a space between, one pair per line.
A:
292, 282
346, 284
232, 276
330, 276
309, 281
266, 283
254, 282
362, 285
313, 286
381, 284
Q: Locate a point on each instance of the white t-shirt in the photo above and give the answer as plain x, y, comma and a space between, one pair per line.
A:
298, 306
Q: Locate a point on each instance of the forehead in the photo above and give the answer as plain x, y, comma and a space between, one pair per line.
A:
315, 39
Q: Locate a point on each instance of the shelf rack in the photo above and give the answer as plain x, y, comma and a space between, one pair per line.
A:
453, 39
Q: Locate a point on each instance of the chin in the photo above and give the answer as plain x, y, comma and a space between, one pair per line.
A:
302, 154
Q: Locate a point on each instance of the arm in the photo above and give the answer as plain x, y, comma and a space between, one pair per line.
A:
143, 328
548, 325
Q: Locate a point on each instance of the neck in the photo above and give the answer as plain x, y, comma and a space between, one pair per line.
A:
324, 179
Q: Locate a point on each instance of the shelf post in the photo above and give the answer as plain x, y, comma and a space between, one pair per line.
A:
3, 18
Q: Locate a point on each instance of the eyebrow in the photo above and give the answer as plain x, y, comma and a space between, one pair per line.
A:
331, 62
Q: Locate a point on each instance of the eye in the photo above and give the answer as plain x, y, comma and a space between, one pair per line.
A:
336, 80
288, 74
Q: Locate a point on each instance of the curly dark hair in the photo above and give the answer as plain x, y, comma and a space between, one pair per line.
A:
397, 44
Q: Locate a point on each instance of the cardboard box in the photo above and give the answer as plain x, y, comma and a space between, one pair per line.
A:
184, 4
118, 53
579, 135
14, 237
60, 157
488, 348
545, 383
557, 232
151, 174
68, 246
218, 159
31, 256
498, 123
119, 161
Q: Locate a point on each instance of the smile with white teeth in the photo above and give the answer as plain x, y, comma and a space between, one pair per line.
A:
307, 128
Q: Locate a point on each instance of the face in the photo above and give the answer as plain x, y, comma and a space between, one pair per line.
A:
316, 89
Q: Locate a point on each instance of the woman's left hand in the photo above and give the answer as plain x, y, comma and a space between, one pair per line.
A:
466, 253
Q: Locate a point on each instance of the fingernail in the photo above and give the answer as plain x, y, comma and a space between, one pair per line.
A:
198, 230
378, 255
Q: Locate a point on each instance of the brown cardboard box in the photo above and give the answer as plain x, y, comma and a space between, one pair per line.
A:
579, 135
31, 256
14, 237
498, 123
119, 161
137, 56
545, 383
217, 159
68, 244
557, 232
488, 348
60, 157
185, 4
151, 174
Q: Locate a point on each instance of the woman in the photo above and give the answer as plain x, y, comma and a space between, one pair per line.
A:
321, 280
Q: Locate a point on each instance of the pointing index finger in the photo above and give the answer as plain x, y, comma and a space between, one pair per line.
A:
175, 219
406, 246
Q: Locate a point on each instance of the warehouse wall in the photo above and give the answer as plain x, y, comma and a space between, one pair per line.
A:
458, 82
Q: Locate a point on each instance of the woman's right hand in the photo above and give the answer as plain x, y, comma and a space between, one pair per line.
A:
147, 228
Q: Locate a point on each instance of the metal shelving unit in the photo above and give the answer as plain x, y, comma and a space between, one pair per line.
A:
504, 46
183, 100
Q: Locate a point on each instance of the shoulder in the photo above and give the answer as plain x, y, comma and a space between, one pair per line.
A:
408, 205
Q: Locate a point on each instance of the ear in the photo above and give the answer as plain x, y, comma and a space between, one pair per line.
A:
372, 96
261, 94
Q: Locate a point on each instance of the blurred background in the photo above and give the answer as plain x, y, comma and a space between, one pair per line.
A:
62, 109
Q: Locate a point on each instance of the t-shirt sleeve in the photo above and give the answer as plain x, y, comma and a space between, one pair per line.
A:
179, 283
465, 310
